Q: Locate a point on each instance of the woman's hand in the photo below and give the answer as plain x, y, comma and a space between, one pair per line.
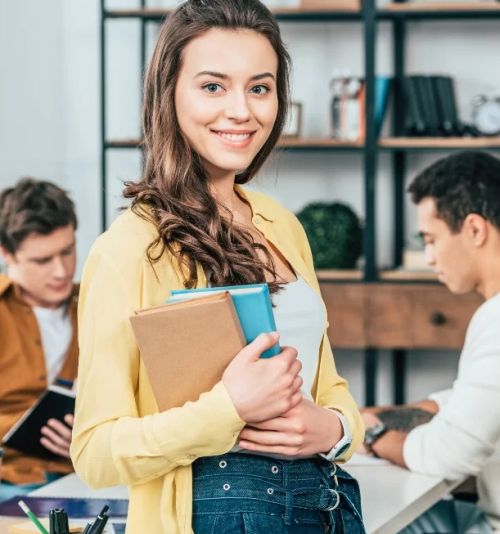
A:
263, 388
305, 430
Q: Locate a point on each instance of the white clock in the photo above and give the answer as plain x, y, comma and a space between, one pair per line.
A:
486, 115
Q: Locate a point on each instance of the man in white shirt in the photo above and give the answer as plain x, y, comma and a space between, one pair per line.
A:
455, 434
38, 329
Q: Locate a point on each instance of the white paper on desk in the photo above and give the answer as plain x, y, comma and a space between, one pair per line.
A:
108, 529
364, 460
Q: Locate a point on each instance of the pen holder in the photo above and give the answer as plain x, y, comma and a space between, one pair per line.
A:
58, 521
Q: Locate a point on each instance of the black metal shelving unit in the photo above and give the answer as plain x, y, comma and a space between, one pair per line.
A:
399, 14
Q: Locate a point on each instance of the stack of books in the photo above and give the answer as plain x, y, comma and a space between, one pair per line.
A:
430, 107
187, 343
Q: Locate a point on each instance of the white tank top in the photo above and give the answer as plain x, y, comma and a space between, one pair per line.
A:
300, 320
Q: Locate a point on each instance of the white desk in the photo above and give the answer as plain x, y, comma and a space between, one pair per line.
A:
391, 497
72, 486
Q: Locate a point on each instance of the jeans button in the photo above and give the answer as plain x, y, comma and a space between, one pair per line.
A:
275, 469
222, 464
226, 487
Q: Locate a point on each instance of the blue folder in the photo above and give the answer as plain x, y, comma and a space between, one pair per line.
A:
253, 306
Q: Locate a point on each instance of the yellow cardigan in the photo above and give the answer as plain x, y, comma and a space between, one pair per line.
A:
119, 437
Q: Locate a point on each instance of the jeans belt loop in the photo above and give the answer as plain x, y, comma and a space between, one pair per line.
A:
336, 505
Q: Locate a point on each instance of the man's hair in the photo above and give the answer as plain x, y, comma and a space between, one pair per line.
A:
461, 184
33, 207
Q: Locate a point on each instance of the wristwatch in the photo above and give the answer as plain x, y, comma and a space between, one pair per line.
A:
343, 444
373, 434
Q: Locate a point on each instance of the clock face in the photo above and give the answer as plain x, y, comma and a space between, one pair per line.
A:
487, 118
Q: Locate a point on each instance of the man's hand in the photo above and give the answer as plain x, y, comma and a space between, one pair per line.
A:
305, 430
57, 436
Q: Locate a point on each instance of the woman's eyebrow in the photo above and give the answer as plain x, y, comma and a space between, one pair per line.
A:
222, 76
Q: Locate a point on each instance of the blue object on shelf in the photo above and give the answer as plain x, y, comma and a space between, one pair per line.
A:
382, 91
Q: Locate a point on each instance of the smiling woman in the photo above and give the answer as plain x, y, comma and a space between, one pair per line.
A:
216, 99
215, 103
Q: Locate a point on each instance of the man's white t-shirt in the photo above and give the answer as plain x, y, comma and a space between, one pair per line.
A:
56, 331
463, 439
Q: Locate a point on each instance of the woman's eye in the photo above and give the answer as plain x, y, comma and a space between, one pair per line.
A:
260, 89
212, 87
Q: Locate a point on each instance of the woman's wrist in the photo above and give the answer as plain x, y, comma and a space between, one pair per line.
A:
334, 430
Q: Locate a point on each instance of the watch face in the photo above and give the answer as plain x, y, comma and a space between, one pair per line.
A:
487, 117
371, 434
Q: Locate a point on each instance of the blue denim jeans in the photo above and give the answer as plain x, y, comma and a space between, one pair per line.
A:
249, 494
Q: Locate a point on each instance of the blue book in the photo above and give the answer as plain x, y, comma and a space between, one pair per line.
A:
382, 91
252, 304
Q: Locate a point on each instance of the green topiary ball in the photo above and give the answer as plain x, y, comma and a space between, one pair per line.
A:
335, 234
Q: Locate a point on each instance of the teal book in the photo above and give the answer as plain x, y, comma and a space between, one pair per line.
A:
382, 92
252, 304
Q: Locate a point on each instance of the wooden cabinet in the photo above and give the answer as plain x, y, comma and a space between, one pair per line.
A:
345, 304
392, 316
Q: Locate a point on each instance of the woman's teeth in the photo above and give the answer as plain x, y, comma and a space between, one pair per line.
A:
235, 137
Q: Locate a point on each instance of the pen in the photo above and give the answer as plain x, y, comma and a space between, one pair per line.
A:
102, 526
102, 517
33, 518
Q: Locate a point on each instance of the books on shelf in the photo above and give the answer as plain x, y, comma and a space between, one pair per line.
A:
430, 107
348, 106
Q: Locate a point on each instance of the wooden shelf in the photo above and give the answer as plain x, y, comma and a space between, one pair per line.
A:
385, 276
287, 143
320, 143
338, 274
412, 7
124, 143
387, 143
440, 10
281, 13
439, 143
137, 13
408, 276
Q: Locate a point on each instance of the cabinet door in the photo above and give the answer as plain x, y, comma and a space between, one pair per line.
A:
345, 304
440, 319
389, 316
418, 316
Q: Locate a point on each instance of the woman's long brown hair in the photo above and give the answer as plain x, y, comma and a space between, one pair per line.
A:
191, 225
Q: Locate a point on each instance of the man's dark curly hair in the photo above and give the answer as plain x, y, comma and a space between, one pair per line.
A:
461, 184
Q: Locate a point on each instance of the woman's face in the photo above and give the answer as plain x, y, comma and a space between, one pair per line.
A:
226, 99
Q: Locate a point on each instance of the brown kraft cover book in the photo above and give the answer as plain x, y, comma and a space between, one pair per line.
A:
187, 345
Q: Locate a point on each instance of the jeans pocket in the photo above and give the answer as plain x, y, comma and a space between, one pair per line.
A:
205, 523
265, 523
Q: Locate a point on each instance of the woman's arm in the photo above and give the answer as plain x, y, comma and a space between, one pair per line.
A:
111, 444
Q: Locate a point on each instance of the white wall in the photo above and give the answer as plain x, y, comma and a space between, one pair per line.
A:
50, 119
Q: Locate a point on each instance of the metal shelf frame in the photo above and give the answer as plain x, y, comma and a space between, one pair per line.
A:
399, 14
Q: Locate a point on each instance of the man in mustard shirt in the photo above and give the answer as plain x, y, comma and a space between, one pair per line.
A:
38, 302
